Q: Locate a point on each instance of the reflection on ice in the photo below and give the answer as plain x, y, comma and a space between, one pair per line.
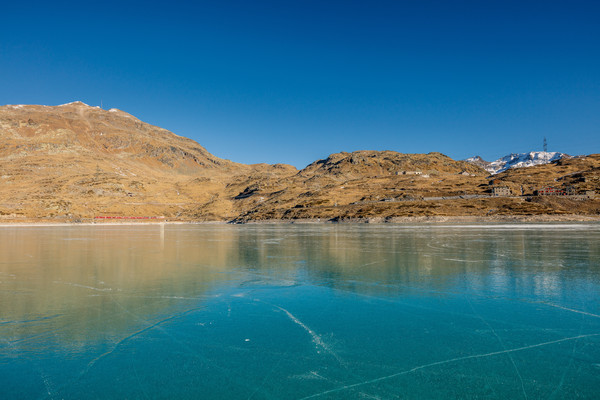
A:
288, 311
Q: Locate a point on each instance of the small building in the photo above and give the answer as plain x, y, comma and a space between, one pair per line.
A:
409, 173
550, 191
499, 191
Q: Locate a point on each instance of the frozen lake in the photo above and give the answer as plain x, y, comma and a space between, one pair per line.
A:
300, 311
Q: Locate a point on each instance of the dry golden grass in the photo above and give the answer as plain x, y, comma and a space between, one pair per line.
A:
75, 162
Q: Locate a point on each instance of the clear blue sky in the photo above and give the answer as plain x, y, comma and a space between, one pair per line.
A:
293, 81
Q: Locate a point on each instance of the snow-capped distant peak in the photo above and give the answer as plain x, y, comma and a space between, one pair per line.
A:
518, 160
474, 159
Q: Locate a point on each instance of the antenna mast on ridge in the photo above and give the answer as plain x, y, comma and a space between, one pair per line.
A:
545, 144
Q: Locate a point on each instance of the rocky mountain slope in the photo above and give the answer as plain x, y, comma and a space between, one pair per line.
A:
389, 186
363, 177
76, 163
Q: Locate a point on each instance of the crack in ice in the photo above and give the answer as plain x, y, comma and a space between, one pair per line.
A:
572, 310
123, 340
84, 286
420, 367
504, 347
317, 340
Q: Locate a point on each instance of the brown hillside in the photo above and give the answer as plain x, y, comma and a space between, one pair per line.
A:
76, 129
371, 185
361, 177
75, 162
361, 164
579, 173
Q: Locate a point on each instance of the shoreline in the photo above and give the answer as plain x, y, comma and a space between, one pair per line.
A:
437, 219
373, 220
128, 223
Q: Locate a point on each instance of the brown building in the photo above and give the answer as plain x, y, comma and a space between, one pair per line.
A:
501, 191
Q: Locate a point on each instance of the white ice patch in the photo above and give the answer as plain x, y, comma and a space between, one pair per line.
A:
317, 340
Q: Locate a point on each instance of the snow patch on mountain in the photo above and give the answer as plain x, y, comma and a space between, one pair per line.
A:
78, 103
517, 160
